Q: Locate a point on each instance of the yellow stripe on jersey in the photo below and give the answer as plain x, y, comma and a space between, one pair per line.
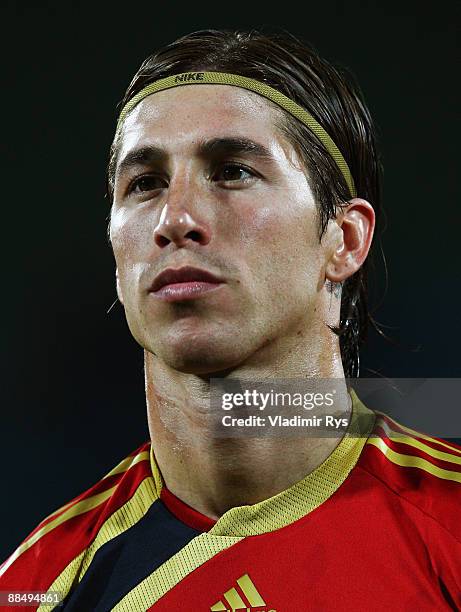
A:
411, 441
79, 508
64, 581
122, 519
169, 574
413, 461
418, 434
157, 476
122, 467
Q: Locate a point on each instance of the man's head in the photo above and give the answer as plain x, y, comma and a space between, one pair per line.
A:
236, 186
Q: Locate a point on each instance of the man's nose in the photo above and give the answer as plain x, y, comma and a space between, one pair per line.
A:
180, 220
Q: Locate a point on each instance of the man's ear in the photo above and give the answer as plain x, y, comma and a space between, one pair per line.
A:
119, 289
357, 223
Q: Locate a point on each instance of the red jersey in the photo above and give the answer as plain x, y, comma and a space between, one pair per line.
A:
377, 526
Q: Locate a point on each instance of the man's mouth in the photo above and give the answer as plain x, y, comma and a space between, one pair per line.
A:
184, 283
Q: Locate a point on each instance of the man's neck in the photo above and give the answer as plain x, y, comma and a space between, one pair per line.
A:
213, 474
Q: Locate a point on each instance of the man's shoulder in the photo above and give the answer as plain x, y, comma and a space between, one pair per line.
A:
423, 471
61, 541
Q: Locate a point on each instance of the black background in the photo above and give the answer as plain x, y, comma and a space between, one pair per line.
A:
72, 379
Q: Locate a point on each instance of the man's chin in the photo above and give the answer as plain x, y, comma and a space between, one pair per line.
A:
193, 356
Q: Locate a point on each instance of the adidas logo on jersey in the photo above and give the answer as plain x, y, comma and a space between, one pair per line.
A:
234, 600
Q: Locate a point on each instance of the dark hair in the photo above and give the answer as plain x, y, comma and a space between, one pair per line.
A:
333, 98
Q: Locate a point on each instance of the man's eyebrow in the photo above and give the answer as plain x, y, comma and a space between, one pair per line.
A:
142, 156
219, 147
209, 149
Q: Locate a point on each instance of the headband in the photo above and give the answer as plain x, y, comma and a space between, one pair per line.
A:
222, 78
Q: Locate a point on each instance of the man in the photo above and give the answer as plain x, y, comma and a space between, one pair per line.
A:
245, 185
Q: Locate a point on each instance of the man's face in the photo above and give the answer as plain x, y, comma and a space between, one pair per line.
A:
206, 197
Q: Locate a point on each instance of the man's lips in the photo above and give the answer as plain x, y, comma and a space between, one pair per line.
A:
183, 283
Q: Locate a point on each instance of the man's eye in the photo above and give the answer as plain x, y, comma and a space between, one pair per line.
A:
233, 172
147, 183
